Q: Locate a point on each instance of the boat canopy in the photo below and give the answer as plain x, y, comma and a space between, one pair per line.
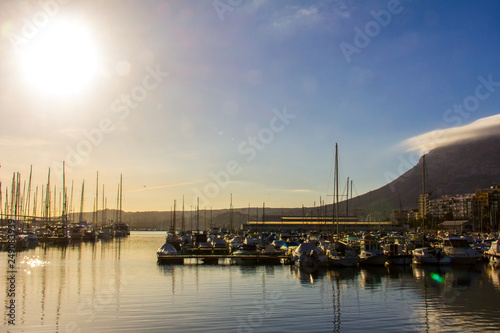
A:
167, 248
306, 248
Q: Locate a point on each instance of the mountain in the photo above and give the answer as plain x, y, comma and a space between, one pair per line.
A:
460, 168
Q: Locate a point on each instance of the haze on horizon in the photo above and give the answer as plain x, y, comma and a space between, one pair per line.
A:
203, 99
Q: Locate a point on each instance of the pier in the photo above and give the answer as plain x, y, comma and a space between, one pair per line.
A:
213, 258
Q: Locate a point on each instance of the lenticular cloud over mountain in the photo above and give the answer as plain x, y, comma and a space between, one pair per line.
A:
484, 127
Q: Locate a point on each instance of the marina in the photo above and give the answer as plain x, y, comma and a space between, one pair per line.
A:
117, 285
249, 166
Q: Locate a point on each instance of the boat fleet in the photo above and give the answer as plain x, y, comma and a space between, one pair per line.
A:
60, 234
313, 250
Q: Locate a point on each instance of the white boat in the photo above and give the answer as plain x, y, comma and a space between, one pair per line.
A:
493, 254
430, 256
371, 254
459, 251
343, 255
167, 254
308, 256
246, 254
397, 254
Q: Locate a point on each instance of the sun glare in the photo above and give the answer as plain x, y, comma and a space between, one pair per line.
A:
62, 61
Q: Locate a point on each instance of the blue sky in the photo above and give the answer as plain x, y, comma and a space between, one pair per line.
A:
244, 97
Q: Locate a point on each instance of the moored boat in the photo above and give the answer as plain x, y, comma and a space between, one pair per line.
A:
121, 229
343, 255
397, 254
246, 254
429, 256
493, 254
308, 256
167, 254
371, 254
459, 251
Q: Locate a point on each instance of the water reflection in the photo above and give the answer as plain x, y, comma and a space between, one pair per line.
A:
307, 277
371, 276
493, 272
94, 284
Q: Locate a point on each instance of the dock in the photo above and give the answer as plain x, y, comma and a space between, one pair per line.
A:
214, 258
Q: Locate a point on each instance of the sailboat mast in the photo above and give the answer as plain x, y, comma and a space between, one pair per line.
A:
96, 203
337, 188
47, 198
29, 194
121, 193
424, 208
63, 213
103, 203
81, 202
347, 200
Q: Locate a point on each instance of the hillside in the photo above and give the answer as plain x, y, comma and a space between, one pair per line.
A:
456, 169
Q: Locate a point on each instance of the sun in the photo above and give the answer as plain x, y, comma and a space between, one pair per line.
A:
61, 61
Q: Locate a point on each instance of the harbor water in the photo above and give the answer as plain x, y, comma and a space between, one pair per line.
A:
117, 286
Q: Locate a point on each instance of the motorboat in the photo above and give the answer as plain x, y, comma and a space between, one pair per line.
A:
60, 235
493, 254
167, 254
219, 246
76, 232
235, 243
430, 256
371, 254
341, 254
105, 233
459, 251
246, 254
398, 254
121, 229
89, 235
308, 256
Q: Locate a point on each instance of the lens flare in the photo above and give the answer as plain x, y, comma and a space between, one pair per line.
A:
436, 277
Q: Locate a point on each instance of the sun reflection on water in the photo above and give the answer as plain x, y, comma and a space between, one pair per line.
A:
33, 262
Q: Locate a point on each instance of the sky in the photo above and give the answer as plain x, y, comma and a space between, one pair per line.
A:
207, 100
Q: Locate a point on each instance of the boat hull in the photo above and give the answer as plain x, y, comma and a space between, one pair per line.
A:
430, 260
344, 261
464, 260
402, 259
375, 260
169, 260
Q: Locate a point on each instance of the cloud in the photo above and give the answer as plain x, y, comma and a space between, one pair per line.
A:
301, 190
480, 128
292, 18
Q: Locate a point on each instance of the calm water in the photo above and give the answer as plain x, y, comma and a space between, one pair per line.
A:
117, 286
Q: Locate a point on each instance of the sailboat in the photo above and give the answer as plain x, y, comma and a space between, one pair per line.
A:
340, 253
121, 229
61, 233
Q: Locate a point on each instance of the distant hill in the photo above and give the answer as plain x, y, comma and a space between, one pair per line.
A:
455, 169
